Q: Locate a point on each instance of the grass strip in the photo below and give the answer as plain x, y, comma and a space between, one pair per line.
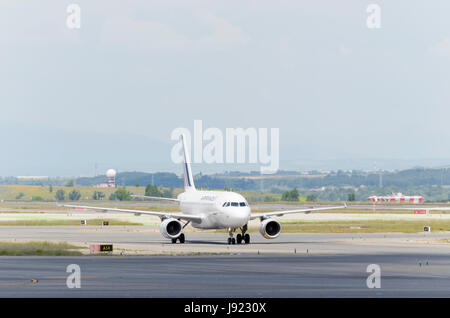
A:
38, 249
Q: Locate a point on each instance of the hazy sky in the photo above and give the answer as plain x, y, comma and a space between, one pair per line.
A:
139, 69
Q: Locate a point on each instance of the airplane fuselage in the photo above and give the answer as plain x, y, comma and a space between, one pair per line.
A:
220, 209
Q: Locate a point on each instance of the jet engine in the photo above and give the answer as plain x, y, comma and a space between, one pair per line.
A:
171, 228
270, 228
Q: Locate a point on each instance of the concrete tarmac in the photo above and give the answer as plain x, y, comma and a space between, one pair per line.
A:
293, 265
227, 276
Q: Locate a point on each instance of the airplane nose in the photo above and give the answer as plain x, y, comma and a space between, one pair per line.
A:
240, 216
246, 214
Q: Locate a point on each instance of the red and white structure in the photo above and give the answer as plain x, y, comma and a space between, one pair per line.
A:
396, 198
111, 175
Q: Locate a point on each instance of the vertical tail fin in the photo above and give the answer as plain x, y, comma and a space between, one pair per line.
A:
188, 178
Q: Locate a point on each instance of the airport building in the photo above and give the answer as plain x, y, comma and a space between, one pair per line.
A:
398, 197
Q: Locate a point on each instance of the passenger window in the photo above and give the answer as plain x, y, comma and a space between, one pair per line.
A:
234, 204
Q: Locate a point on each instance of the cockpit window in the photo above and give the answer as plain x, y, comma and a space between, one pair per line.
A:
226, 204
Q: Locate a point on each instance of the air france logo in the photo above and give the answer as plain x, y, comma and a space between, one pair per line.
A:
208, 198
210, 146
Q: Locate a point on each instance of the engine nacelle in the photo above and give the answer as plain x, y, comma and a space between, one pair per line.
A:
171, 228
270, 228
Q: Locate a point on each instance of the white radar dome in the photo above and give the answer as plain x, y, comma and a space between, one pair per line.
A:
111, 173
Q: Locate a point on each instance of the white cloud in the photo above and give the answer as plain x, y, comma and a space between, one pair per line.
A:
344, 50
288, 54
441, 49
122, 30
35, 23
223, 34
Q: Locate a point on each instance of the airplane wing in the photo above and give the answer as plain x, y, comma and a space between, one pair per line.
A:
306, 211
187, 217
154, 198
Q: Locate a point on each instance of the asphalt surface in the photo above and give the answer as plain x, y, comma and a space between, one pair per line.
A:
293, 265
406, 275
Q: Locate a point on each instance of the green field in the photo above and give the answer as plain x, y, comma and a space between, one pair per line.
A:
45, 222
12, 192
38, 249
27, 192
359, 211
375, 226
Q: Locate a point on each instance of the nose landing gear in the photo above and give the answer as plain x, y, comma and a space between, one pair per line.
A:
231, 239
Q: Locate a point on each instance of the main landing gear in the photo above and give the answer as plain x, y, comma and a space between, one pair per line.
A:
240, 238
243, 238
179, 238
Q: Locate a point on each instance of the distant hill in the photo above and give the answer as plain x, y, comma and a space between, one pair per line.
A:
253, 181
433, 184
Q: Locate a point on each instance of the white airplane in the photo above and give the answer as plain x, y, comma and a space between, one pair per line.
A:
211, 210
